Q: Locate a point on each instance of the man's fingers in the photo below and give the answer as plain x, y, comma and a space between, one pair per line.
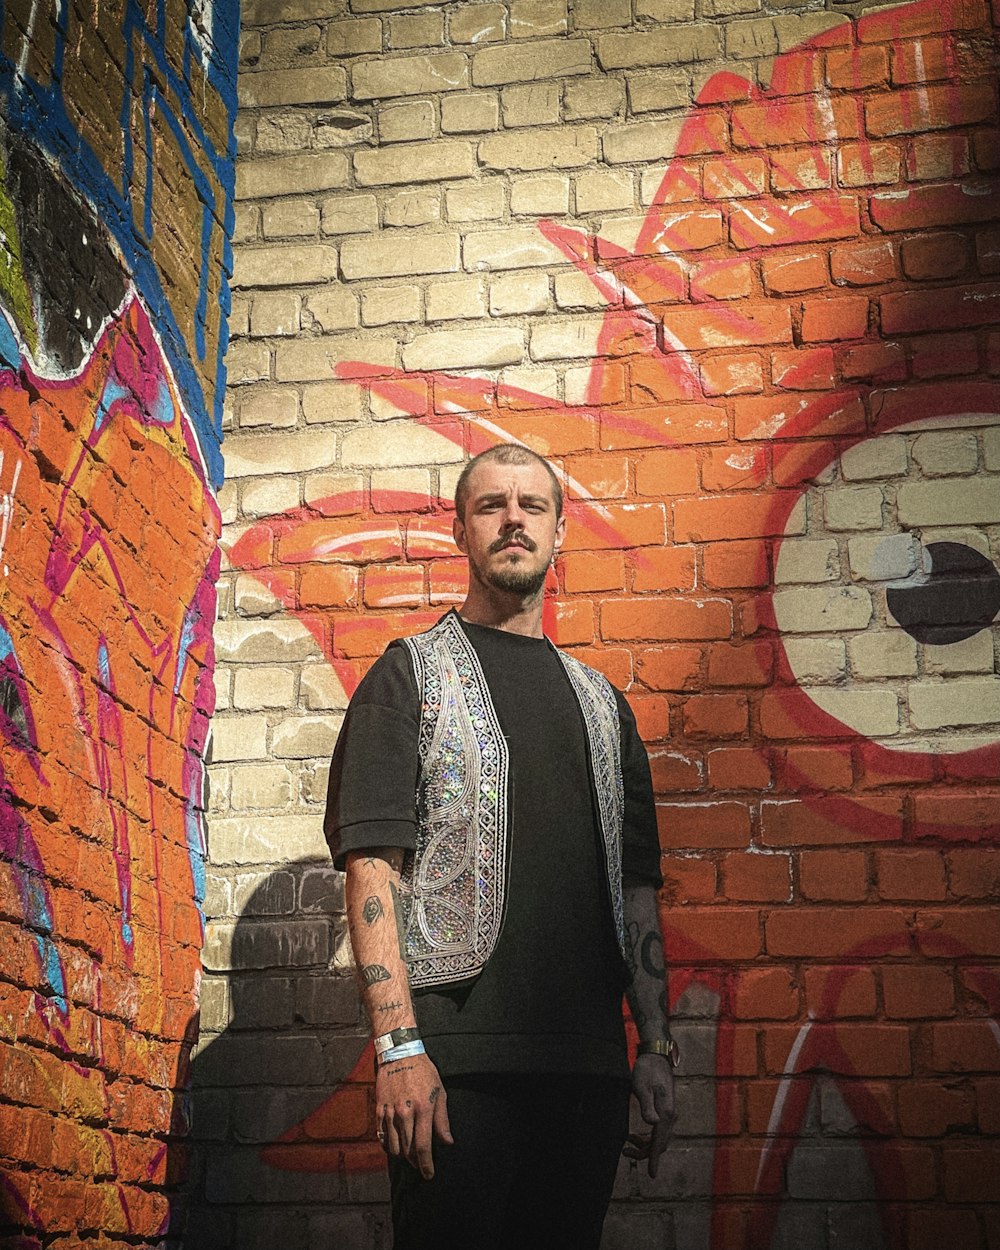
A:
420, 1153
658, 1143
442, 1128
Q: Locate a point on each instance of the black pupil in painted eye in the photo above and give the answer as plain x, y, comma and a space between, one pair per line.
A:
12, 708
955, 600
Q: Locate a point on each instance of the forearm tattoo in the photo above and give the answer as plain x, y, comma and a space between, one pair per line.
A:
631, 942
373, 909
653, 960
371, 974
395, 1006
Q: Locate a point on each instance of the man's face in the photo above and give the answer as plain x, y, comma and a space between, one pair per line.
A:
510, 529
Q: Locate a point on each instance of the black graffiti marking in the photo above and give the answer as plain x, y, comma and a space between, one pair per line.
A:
652, 955
371, 974
373, 909
958, 597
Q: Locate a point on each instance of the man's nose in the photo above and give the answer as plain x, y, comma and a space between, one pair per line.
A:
513, 516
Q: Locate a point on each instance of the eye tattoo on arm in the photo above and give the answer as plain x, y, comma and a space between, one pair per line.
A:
373, 909
371, 974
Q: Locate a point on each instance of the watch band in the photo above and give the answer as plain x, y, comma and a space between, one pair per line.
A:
398, 1037
666, 1046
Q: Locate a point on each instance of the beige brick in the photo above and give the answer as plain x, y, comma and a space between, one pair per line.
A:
531, 18
575, 290
530, 104
671, 46
794, 29
816, 659
247, 362
853, 508
601, 14
397, 443
464, 349
288, 265
309, 171
296, 45
417, 30
415, 483
304, 737
624, 230
642, 141
955, 501
592, 98
314, 782
286, 131
465, 114
665, 10
246, 223
540, 196
822, 609
754, 38
807, 560
519, 293
228, 500
269, 840
248, 455
883, 557
239, 317
349, 214
971, 655
290, 219
436, 161
874, 459
659, 92
974, 538
314, 359
532, 378
939, 705
546, 59
270, 642
477, 23
577, 384
603, 190
259, 786
991, 449
238, 738
322, 486
251, 598
882, 653
412, 208
267, 496
451, 301
729, 8
330, 308
873, 712
274, 312
483, 201
323, 402
321, 689
393, 255
388, 304
268, 88
410, 75
516, 247
354, 36
342, 130
943, 453
258, 686
567, 147
399, 122
564, 340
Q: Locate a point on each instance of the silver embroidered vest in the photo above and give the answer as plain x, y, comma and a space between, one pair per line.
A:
453, 886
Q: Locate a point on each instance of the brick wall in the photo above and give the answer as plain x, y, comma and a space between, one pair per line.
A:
734, 271
115, 212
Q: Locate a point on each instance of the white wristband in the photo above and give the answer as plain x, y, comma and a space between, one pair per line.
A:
401, 1052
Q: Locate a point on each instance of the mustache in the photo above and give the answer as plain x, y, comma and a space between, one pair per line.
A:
518, 539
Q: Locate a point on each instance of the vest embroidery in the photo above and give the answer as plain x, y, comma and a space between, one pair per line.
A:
453, 886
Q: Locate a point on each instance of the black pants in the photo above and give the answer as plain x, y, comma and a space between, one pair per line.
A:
533, 1165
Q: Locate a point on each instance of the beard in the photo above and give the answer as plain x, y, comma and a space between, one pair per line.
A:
524, 579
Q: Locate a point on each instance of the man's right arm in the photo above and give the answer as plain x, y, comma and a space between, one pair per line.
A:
411, 1104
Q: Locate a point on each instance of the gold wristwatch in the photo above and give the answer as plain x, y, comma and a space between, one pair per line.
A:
666, 1046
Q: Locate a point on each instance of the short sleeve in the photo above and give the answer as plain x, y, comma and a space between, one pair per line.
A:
640, 839
371, 798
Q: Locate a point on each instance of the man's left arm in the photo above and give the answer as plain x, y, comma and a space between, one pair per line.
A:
653, 1074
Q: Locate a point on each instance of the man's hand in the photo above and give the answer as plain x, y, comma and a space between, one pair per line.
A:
411, 1108
653, 1086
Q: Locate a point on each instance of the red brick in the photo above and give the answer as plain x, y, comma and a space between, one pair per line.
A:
856, 68
449, 580
878, 767
944, 355
841, 992
722, 517
986, 150
667, 619
884, 362
668, 471
731, 374
930, 1228
821, 820
766, 994
340, 540
807, 217
794, 415
964, 1046
745, 664
921, 208
679, 424
614, 662
573, 620
716, 716
589, 571
789, 274
689, 880
370, 635
869, 164
911, 311
737, 1171
601, 527
971, 1173
757, 878
429, 538
934, 157
916, 876
656, 569
726, 468
915, 1167
710, 934
674, 772
848, 1049
551, 433
738, 768
599, 477
923, 62
391, 585
973, 816
699, 826
669, 668
937, 255
652, 715
829, 932
783, 121
913, 111
987, 1105
826, 320
833, 876
813, 768
915, 992
959, 930
726, 565
803, 369
973, 873
722, 279
655, 379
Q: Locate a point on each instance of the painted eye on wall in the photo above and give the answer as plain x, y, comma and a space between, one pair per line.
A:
887, 589
16, 724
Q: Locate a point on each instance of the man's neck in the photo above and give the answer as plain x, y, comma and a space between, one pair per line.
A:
497, 610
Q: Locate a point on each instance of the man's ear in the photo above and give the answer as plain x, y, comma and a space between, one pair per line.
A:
458, 533
560, 532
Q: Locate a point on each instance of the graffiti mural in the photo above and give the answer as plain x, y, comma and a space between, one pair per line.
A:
783, 476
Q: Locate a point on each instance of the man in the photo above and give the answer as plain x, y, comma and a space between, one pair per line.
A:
491, 802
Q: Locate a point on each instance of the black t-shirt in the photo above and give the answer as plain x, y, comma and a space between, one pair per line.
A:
549, 997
